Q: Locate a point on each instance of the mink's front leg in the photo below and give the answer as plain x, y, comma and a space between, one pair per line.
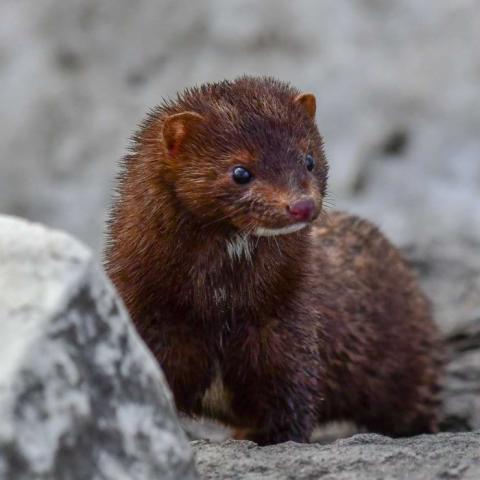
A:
186, 362
274, 383
280, 424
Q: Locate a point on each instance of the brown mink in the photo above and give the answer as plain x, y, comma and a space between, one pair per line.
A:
264, 311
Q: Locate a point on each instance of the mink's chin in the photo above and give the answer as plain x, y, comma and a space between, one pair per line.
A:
272, 232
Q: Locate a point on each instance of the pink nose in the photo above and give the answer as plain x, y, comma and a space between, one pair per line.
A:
302, 210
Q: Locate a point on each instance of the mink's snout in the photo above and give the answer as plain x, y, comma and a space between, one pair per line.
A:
302, 210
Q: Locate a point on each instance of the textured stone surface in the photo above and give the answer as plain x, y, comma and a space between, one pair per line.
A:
80, 395
397, 88
461, 396
449, 269
361, 457
450, 273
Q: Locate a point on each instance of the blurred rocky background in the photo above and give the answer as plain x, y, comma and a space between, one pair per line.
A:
397, 85
398, 91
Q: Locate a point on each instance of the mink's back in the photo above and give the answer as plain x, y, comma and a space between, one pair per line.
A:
374, 320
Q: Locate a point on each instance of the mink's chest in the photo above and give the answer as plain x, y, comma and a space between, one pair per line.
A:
230, 279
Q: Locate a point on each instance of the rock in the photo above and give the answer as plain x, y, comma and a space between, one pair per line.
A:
396, 82
450, 274
80, 395
361, 457
449, 270
461, 395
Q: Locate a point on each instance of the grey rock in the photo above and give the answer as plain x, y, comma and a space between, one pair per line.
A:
80, 395
449, 271
450, 274
361, 457
461, 395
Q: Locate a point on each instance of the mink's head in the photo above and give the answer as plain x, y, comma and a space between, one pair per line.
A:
245, 155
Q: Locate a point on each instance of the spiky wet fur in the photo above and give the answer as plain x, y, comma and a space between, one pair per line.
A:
287, 331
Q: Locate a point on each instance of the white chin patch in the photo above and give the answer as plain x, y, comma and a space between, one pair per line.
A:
272, 232
239, 247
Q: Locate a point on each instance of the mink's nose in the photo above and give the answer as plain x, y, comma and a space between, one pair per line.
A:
302, 210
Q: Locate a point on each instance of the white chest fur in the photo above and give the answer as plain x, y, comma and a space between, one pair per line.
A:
239, 248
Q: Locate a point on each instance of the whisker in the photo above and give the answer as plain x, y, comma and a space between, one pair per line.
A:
278, 246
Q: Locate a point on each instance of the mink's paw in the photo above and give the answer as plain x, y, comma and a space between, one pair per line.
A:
263, 438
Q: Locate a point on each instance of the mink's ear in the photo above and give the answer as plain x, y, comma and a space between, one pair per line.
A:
177, 128
308, 102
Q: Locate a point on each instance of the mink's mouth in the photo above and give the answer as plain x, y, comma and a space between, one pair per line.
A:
271, 221
272, 232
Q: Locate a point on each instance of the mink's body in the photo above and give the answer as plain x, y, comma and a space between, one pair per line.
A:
261, 314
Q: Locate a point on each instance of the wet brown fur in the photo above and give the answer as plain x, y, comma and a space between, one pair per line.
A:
322, 324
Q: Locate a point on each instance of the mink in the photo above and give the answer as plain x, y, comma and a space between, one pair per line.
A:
266, 310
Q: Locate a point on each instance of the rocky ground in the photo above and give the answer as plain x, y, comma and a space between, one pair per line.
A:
361, 457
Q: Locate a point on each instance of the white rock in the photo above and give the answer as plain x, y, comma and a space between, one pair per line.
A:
80, 395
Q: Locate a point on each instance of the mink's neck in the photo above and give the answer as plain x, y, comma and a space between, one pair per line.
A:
219, 271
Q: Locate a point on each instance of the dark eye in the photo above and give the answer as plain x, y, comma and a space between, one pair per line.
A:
309, 162
241, 175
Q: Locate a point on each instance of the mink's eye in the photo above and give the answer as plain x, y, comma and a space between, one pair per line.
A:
309, 162
241, 175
